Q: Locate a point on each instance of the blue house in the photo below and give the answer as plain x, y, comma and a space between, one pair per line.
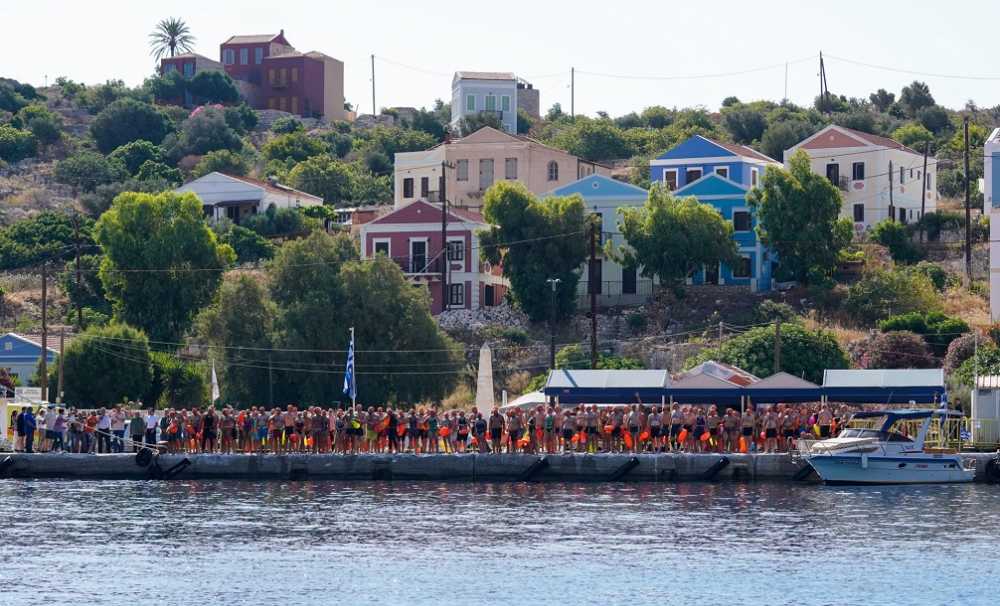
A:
721, 174
604, 196
19, 355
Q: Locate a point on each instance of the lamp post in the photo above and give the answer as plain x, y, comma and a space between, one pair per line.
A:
554, 282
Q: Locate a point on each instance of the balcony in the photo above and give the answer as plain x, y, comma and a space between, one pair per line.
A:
615, 293
419, 265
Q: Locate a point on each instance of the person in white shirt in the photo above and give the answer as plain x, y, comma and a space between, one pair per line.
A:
49, 422
103, 431
152, 423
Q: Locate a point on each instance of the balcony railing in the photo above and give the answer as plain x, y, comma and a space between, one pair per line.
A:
419, 265
613, 293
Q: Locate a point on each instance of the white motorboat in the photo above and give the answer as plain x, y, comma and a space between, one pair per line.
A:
886, 455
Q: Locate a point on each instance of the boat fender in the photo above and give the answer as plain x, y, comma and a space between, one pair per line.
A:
993, 470
716, 467
623, 470
5, 465
534, 469
803, 473
144, 457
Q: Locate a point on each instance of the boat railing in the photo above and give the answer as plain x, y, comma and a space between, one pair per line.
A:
945, 432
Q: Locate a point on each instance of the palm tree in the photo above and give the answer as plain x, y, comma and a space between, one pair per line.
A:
171, 35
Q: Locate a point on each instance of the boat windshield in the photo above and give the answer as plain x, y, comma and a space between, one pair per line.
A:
881, 436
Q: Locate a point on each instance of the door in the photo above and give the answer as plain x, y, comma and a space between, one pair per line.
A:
628, 281
712, 273
489, 296
418, 256
833, 173
485, 174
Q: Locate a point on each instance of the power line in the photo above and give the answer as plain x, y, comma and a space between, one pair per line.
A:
912, 72
696, 76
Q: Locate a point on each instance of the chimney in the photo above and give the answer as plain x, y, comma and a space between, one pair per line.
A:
282, 32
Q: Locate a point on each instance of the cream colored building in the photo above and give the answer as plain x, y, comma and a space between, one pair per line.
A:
475, 162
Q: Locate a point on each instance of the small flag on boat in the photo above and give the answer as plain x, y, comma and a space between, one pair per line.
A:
965, 435
215, 385
350, 385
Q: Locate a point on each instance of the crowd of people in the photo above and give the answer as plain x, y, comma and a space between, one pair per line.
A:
550, 429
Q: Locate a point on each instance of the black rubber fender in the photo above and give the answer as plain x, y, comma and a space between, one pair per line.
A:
144, 457
993, 470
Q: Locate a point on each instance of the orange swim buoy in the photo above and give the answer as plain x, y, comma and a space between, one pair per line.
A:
575, 439
401, 430
682, 436
705, 437
475, 441
644, 436
628, 440
583, 437
609, 429
743, 445
539, 434
444, 432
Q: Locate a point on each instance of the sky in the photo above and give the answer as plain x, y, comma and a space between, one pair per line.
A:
418, 45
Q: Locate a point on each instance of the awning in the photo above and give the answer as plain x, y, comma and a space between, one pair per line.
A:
782, 387
607, 386
884, 386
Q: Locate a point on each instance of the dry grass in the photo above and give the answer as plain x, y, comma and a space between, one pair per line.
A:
462, 398
972, 308
843, 334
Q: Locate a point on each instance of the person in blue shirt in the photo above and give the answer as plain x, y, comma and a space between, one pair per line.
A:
26, 427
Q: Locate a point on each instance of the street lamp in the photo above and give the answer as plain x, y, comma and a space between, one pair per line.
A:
554, 282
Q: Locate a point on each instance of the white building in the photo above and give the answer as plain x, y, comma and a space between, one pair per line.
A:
859, 164
991, 204
232, 197
478, 92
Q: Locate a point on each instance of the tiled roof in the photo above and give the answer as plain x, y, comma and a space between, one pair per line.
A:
273, 187
251, 39
877, 140
484, 75
743, 150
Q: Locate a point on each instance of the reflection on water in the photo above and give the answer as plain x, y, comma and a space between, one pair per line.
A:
208, 542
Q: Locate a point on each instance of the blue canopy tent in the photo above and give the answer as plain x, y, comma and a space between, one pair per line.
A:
895, 386
607, 386
782, 387
705, 389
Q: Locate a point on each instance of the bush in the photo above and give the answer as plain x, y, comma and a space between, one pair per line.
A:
45, 125
323, 176
47, 235
85, 171
241, 118
576, 357
176, 383
882, 293
223, 161
213, 86
636, 322
804, 353
936, 328
280, 222
205, 131
934, 272
936, 222
99, 200
134, 154
287, 124
248, 244
107, 364
127, 120
895, 236
293, 146
769, 311
16, 144
901, 349
985, 361
960, 350
158, 171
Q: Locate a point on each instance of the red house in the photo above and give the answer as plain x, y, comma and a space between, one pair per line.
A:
411, 236
273, 75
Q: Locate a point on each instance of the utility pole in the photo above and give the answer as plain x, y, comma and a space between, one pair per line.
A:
892, 207
968, 211
79, 279
593, 285
721, 328
923, 192
62, 347
43, 367
270, 381
824, 91
444, 242
777, 345
572, 92
554, 282
374, 110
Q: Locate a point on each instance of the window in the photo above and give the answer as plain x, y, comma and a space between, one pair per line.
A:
754, 176
742, 269
629, 280
258, 55
858, 171
408, 187
244, 56
741, 220
902, 216
670, 178
491, 102
282, 103
833, 173
228, 56
295, 74
270, 102
692, 174
283, 75
470, 103
425, 187
462, 170
169, 67
722, 171
859, 213
505, 103
8, 346
553, 170
901, 175
911, 173
382, 247
456, 295
270, 76
456, 250
485, 173
189, 69
510, 168
927, 179
295, 105
595, 277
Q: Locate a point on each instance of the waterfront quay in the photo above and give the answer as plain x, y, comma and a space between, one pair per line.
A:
662, 467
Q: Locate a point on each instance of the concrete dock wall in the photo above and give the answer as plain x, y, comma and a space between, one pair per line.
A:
461, 467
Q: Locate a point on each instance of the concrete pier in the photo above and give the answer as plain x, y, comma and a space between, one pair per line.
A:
669, 467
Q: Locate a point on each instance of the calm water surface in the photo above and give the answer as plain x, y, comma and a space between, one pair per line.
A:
205, 543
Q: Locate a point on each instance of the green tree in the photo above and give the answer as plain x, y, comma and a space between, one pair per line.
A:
105, 365
551, 244
670, 237
369, 188
46, 236
575, 357
323, 176
85, 171
524, 122
223, 161
934, 118
99, 200
593, 140
915, 97
162, 261
248, 244
212, 86
913, 135
896, 237
170, 87
45, 125
170, 36
883, 293
936, 328
798, 214
286, 125
295, 146
16, 144
780, 136
134, 154
882, 100
241, 118
176, 383
205, 131
127, 120
470, 123
158, 171
745, 124
89, 292
804, 353
239, 330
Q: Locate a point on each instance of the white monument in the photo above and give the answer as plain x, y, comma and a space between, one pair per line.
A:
484, 382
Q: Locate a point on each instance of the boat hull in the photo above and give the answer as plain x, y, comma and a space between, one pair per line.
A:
856, 469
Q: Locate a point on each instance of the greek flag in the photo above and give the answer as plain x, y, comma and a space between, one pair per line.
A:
350, 385
965, 435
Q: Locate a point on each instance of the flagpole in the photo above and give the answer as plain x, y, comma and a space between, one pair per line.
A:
354, 380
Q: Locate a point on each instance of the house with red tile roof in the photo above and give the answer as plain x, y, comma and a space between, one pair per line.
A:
410, 235
879, 178
233, 197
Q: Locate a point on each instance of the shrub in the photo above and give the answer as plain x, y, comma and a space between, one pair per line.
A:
960, 350
16, 144
936, 222
985, 361
900, 349
577, 357
241, 118
213, 86
636, 322
769, 311
134, 154
293, 146
85, 171
223, 161
936, 328
206, 131
127, 120
158, 171
882, 293
45, 125
287, 124
99, 200
248, 244
280, 222
804, 353
934, 272
895, 236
